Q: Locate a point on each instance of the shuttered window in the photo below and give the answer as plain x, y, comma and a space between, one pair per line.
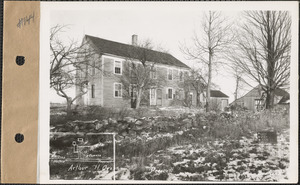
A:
93, 91
181, 76
153, 73
170, 93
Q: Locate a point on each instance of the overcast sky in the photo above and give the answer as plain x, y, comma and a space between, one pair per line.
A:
167, 25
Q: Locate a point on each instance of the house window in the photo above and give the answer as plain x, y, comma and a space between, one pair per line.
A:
118, 67
186, 74
86, 70
153, 73
94, 67
180, 94
257, 104
93, 91
191, 98
132, 90
170, 74
175, 73
170, 93
118, 90
181, 76
152, 93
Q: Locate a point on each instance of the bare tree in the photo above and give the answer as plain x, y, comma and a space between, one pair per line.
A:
239, 81
136, 80
139, 74
211, 42
197, 82
65, 62
263, 50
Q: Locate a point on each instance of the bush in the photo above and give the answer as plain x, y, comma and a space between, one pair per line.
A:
244, 124
275, 119
142, 112
177, 102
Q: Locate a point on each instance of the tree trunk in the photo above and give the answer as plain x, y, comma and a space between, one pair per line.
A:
198, 103
272, 94
69, 106
236, 90
271, 65
138, 98
270, 99
208, 82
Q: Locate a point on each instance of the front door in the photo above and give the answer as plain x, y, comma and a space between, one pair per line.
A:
152, 96
159, 97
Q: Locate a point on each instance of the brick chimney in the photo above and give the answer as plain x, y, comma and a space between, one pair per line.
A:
134, 40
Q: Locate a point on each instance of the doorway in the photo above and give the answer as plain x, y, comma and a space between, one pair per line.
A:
159, 97
152, 97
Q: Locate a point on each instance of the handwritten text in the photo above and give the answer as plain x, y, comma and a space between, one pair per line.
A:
25, 20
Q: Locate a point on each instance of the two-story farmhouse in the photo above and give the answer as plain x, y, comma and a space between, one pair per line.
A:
105, 87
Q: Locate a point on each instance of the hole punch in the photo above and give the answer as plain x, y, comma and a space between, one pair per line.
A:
20, 60
19, 138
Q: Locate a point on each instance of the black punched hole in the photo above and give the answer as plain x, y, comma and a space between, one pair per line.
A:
19, 138
20, 60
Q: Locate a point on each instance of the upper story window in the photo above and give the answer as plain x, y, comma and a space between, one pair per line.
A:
94, 67
118, 67
170, 74
86, 70
175, 73
117, 90
153, 73
180, 76
186, 74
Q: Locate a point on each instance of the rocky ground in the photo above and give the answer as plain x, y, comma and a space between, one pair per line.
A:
188, 147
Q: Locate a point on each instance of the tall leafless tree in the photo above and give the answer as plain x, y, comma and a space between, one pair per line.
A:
197, 82
65, 62
139, 73
262, 50
210, 43
238, 76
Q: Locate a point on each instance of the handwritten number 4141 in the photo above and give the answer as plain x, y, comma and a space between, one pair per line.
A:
25, 20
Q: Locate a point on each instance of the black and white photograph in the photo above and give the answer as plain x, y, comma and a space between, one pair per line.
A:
169, 92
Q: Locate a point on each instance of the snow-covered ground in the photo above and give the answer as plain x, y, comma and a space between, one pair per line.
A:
242, 160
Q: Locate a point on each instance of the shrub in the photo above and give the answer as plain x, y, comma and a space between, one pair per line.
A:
177, 102
273, 119
142, 112
58, 119
245, 124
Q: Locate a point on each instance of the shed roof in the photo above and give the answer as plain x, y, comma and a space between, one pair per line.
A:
281, 92
217, 94
135, 52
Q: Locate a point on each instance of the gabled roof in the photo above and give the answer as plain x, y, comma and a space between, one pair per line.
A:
278, 92
134, 52
281, 92
285, 100
218, 94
